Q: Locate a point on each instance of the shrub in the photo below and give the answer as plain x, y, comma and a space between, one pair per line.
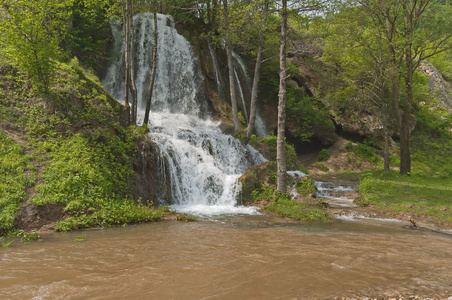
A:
298, 211
306, 186
323, 155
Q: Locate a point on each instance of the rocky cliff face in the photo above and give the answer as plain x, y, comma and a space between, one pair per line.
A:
440, 85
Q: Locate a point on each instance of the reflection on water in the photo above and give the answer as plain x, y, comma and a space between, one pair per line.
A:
236, 258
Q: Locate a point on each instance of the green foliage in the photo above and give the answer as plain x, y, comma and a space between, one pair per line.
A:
267, 193
26, 237
417, 194
111, 212
82, 174
298, 211
90, 172
31, 35
292, 161
306, 186
443, 63
305, 118
4, 243
432, 140
90, 31
321, 166
323, 155
80, 238
363, 152
14, 165
283, 205
185, 218
269, 83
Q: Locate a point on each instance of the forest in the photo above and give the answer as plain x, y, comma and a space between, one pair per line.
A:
375, 73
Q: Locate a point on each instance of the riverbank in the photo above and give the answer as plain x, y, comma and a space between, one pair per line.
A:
422, 198
394, 197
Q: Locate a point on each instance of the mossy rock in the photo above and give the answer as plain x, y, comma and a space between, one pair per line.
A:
256, 177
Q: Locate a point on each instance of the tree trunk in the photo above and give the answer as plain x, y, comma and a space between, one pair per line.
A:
405, 131
154, 68
405, 157
132, 87
280, 144
257, 74
386, 160
233, 94
126, 58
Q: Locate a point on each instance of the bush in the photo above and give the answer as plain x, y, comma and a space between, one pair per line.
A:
298, 211
306, 186
13, 180
283, 205
323, 155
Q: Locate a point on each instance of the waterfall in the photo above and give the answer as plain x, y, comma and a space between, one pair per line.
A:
259, 125
242, 96
199, 164
216, 69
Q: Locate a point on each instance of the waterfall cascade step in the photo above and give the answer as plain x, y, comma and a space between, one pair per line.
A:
199, 165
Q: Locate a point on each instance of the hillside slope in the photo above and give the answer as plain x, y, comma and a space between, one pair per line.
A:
67, 161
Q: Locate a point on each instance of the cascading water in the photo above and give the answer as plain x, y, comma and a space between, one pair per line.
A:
259, 124
216, 69
200, 165
242, 96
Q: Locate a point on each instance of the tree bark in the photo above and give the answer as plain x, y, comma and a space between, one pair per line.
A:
132, 84
386, 160
280, 144
405, 131
233, 94
154, 68
256, 78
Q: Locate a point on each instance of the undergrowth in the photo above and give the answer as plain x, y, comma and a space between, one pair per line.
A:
75, 140
282, 205
13, 179
427, 190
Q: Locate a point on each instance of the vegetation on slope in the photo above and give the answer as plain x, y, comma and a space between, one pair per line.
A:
426, 192
67, 147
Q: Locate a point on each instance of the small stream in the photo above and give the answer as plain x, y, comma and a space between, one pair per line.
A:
248, 257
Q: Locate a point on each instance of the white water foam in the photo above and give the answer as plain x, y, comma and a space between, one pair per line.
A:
199, 165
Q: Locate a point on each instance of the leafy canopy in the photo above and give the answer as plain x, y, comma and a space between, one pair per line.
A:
30, 35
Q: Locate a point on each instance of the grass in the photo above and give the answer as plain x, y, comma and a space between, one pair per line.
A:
13, 180
282, 205
185, 218
427, 191
298, 211
420, 195
83, 154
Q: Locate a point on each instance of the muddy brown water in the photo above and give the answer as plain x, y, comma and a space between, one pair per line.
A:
231, 258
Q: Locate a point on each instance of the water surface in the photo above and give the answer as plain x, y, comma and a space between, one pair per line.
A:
248, 257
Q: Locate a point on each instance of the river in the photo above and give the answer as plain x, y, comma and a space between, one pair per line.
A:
243, 257
248, 257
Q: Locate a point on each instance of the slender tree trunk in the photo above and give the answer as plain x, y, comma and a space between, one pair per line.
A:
126, 58
384, 95
405, 133
257, 74
386, 160
280, 144
233, 94
154, 68
132, 87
